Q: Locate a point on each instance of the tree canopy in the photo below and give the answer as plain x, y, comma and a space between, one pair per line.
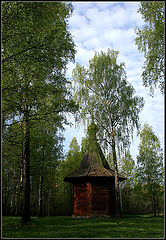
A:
150, 166
36, 47
102, 91
103, 94
150, 158
150, 41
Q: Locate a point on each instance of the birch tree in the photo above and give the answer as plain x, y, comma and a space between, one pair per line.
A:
103, 92
36, 47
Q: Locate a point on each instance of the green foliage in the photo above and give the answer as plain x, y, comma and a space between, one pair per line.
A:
143, 191
65, 190
150, 167
127, 167
150, 41
73, 157
36, 47
103, 91
46, 153
12, 144
150, 158
130, 226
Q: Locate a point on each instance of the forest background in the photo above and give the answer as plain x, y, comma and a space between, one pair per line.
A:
37, 97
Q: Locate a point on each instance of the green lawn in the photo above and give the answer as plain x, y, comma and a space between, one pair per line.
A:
130, 226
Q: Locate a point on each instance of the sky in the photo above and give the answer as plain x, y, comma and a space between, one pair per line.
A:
97, 26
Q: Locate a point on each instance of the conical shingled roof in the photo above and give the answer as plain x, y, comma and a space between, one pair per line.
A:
93, 163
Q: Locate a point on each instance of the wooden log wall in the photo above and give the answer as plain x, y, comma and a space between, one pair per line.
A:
82, 199
94, 199
100, 200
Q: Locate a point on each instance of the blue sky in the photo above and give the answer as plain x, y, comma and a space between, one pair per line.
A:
97, 26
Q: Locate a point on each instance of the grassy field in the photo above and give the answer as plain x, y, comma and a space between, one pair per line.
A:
130, 226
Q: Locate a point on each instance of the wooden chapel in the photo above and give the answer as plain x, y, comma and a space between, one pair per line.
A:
93, 182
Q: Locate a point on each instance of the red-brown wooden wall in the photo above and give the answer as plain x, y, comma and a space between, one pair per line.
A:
82, 199
94, 199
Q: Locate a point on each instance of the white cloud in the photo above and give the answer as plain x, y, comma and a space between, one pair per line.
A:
83, 55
